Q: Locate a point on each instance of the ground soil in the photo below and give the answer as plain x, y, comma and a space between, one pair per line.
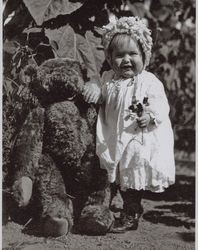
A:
168, 223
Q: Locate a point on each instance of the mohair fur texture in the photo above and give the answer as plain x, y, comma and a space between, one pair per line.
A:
55, 149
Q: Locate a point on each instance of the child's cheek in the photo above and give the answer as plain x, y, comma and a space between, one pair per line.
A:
116, 66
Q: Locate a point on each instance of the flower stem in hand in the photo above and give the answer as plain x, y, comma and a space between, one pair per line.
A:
144, 120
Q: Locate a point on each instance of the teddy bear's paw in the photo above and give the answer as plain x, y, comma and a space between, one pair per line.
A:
56, 227
22, 191
95, 220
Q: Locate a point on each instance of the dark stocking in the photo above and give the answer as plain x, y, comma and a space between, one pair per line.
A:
132, 201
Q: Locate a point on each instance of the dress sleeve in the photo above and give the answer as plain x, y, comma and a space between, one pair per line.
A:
158, 107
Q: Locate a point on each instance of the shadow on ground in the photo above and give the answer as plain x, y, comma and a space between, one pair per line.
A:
183, 190
189, 237
178, 206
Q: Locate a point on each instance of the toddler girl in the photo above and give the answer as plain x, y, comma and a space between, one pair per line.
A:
134, 134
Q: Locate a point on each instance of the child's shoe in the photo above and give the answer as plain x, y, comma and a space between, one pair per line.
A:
126, 223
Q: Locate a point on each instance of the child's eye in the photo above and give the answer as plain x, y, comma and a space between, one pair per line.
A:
133, 53
119, 55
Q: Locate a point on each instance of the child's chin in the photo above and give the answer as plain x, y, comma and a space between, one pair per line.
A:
128, 74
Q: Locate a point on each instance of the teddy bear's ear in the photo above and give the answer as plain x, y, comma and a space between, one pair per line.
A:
29, 73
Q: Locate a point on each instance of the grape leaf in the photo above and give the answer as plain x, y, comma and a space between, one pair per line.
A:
97, 49
69, 43
75, 46
47, 9
64, 37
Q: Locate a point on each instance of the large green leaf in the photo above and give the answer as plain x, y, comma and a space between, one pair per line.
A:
65, 40
75, 46
97, 49
46, 9
69, 44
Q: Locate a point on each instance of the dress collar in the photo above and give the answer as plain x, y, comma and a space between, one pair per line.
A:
120, 81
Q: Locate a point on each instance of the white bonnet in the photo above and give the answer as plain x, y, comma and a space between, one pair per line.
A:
133, 26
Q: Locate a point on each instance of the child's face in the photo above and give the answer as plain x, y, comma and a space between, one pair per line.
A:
126, 59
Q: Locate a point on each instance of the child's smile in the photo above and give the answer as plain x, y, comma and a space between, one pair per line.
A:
126, 59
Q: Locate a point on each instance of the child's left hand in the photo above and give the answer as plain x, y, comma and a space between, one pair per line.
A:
144, 120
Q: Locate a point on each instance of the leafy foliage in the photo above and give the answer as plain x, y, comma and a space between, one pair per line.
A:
46, 9
71, 28
174, 63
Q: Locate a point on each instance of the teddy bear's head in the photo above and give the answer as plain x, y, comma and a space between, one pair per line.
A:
55, 80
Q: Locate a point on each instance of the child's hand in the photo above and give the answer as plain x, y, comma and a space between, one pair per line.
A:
92, 92
144, 120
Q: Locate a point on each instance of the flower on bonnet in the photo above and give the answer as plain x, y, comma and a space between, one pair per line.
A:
133, 26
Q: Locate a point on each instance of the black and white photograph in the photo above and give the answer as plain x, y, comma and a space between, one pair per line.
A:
98, 124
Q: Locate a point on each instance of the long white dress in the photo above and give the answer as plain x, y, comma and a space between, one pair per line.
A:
136, 158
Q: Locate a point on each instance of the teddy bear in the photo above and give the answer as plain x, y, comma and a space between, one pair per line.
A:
56, 179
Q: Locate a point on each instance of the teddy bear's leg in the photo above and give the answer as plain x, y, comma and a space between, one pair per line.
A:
96, 217
56, 207
24, 162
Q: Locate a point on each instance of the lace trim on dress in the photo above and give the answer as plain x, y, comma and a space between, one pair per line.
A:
148, 179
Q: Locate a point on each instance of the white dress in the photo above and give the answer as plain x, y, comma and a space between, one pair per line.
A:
136, 158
